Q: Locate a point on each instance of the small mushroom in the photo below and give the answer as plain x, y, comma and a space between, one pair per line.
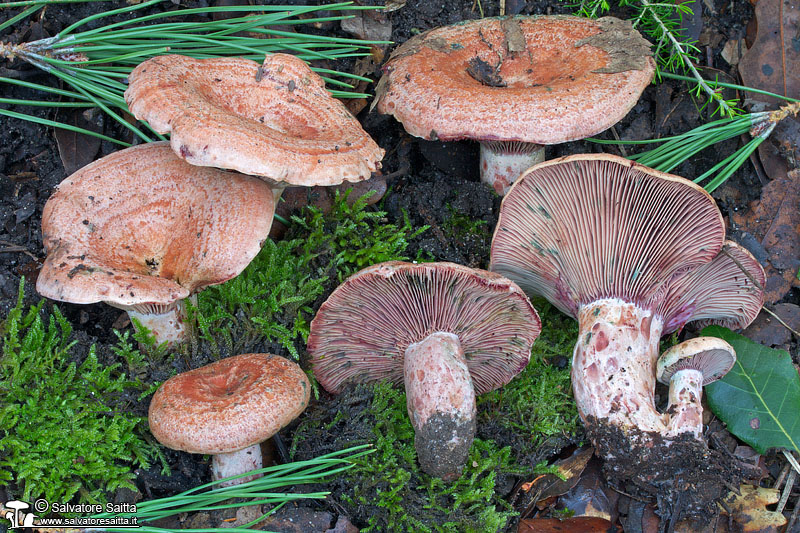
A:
142, 230
274, 120
687, 368
446, 331
227, 408
514, 84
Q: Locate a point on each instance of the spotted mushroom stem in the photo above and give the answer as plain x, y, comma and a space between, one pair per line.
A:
234, 463
277, 191
613, 367
441, 403
685, 410
167, 323
502, 162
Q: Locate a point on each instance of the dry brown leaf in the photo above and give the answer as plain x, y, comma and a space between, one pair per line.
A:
581, 524
773, 64
749, 509
590, 496
774, 221
78, 149
548, 485
769, 331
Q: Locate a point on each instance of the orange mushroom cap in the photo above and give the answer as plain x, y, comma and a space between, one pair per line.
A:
538, 79
274, 120
142, 226
228, 405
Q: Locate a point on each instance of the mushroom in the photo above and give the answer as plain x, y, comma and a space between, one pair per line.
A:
687, 368
515, 84
631, 253
142, 230
227, 408
446, 331
275, 120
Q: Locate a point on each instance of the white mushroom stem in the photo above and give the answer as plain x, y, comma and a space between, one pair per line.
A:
234, 463
613, 367
503, 162
441, 403
685, 410
167, 323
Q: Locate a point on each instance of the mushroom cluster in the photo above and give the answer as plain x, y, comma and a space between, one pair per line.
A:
633, 254
515, 84
144, 228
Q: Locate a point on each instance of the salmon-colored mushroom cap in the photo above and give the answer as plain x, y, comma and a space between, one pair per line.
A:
591, 226
228, 405
142, 226
728, 291
361, 333
274, 120
537, 79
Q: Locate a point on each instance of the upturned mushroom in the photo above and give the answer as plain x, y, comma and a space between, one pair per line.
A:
142, 230
227, 408
446, 331
687, 368
274, 120
515, 84
631, 253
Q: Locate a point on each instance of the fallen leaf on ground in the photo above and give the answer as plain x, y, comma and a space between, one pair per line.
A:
760, 397
749, 509
774, 221
548, 485
78, 149
773, 64
581, 524
768, 330
590, 496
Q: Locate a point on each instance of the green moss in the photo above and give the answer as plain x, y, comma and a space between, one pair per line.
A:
273, 298
62, 436
459, 226
539, 400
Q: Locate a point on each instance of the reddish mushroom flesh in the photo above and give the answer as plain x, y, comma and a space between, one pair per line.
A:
516, 83
227, 408
447, 331
141, 230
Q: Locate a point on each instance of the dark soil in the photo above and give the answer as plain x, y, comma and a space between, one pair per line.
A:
433, 183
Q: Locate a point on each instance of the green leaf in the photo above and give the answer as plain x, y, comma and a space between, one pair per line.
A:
759, 399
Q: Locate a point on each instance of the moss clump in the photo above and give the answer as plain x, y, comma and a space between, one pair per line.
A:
273, 299
61, 437
538, 403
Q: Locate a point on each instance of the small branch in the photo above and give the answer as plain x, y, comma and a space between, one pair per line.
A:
678, 46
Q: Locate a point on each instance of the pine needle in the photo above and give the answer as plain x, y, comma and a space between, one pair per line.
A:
95, 62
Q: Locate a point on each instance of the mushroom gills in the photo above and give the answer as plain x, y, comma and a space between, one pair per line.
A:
441, 403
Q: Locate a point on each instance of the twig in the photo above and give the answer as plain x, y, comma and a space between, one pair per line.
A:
787, 490
792, 461
678, 46
779, 319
